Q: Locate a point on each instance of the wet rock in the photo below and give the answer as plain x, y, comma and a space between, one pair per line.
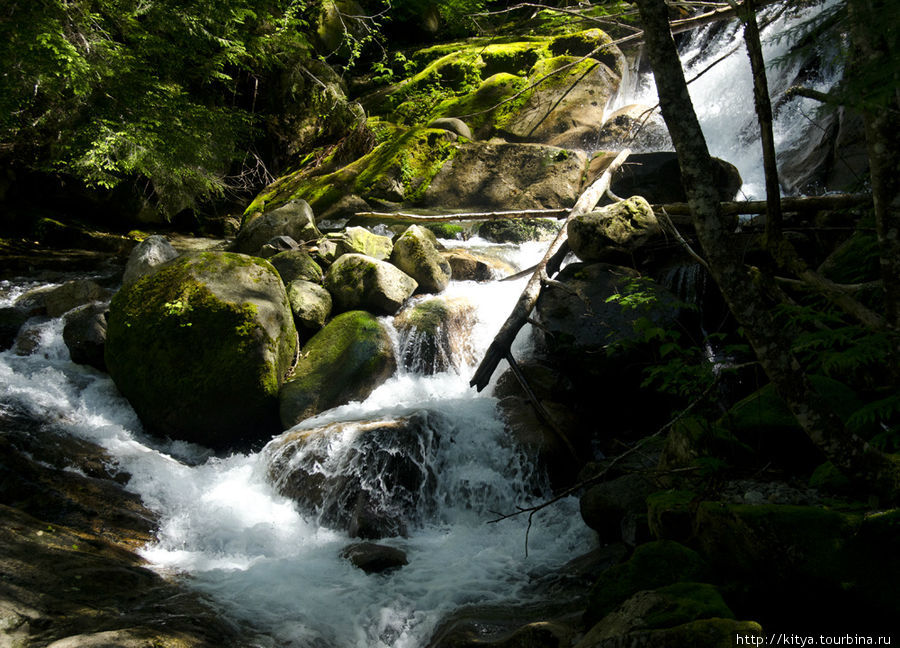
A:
705, 633
84, 334
466, 265
68, 563
609, 506
416, 253
12, 319
153, 251
435, 335
296, 264
370, 478
294, 219
519, 230
344, 361
657, 177
73, 294
665, 607
652, 565
358, 281
200, 347
624, 225
310, 303
374, 558
635, 126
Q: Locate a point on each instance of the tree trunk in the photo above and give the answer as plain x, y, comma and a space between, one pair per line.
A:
749, 303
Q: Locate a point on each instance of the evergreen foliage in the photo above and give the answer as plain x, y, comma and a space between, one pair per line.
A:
165, 90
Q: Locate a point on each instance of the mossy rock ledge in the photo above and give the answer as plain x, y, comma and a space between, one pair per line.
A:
200, 347
344, 361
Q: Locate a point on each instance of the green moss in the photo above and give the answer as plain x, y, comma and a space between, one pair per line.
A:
593, 42
652, 565
344, 361
446, 230
686, 602
484, 110
511, 58
670, 514
165, 322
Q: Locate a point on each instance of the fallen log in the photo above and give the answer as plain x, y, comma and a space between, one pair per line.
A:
465, 216
502, 342
801, 204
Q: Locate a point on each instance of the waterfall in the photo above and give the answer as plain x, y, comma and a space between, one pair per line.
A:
723, 95
275, 565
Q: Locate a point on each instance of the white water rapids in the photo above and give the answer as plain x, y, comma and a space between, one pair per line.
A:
264, 563
223, 525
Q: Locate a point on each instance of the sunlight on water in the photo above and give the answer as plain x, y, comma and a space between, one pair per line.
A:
721, 95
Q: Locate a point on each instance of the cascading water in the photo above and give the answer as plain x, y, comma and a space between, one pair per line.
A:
723, 94
276, 565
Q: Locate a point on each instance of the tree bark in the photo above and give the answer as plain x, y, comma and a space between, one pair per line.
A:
503, 340
749, 303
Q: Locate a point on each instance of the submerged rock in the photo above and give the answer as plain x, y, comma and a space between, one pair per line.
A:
374, 558
200, 347
369, 478
358, 281
416, 253
344, 361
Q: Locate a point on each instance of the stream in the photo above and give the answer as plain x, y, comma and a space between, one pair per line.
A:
263, 563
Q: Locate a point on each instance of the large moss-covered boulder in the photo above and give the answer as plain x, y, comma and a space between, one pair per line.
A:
623, 225
519, 230
665, 607
200, 347
344, 361
652, 565
416, 253
359, 281
294, 219
501, 175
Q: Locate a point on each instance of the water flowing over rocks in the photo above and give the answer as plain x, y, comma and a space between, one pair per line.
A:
373, 479
201, 345
435, 335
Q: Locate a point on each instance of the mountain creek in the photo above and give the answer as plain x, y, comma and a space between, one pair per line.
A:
269, 437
